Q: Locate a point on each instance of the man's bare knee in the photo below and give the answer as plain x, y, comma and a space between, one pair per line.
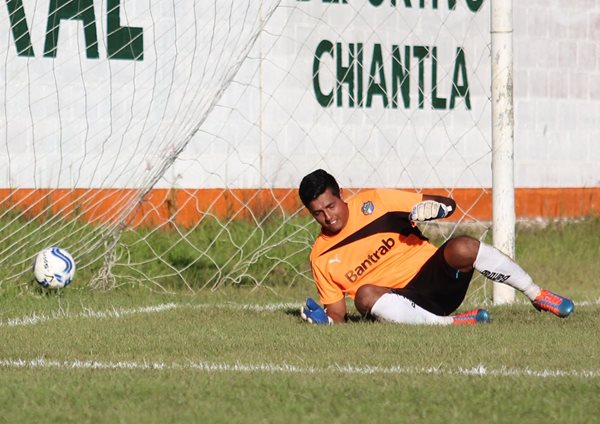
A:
460, 252
366, 296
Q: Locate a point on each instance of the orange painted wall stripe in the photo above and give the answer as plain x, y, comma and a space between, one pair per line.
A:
187, 206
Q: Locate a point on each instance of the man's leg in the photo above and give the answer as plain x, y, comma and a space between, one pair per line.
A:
429, 298
498, 267
384, 305
466, 253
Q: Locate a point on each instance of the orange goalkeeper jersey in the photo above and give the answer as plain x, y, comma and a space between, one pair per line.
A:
378, 245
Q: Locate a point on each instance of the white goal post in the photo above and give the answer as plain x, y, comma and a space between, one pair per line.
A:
162, 143
503, 181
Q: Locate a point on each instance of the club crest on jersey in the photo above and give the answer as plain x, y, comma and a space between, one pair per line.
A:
367, 208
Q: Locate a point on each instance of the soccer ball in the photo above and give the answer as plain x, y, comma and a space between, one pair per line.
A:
54, 268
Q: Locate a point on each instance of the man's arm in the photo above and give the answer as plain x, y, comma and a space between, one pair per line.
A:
332, 313
337, 311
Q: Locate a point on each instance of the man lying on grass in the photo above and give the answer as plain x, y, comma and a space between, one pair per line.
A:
370, 249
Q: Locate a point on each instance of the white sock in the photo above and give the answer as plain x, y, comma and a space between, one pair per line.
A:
395, 308
498, 267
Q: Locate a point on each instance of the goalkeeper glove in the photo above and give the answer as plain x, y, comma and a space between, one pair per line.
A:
314, 313
429, 209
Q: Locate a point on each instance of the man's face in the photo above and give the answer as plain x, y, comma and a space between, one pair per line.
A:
330, 212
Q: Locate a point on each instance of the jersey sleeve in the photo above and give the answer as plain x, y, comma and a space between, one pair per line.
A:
399, 200
328, 291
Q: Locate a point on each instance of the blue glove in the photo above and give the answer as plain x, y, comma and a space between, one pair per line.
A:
314, 313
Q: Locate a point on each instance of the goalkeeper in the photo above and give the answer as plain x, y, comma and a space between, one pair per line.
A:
370, 249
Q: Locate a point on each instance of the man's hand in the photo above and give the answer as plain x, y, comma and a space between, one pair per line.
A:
429, 209
314, 313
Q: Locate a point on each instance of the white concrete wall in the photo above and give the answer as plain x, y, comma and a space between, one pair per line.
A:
557, 93
73, 121
278, 135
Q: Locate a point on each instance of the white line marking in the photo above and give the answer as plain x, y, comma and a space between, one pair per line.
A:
588, 303
35, 318
272, 307
480, 370
86, 313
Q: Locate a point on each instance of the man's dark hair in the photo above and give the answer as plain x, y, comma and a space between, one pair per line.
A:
315, 184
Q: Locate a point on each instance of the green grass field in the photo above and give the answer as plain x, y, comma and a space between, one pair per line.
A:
242, 354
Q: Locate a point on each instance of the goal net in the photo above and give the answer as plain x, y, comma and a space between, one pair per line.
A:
162, 143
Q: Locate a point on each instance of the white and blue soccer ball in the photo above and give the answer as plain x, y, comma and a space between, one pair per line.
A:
54, 268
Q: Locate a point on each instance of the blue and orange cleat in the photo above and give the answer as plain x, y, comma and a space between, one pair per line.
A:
476, 316
551, 302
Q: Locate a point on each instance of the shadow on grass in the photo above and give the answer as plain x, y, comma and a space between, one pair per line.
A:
349, 317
